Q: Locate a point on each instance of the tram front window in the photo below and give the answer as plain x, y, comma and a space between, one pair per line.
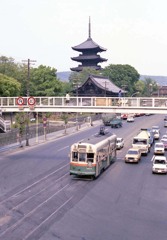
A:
75, 156
90, 157
82, 157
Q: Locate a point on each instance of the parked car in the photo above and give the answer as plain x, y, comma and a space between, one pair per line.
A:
159, 148
159, 164
133, 155
120, 143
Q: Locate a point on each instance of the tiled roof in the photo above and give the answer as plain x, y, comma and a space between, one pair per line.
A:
105, 83
80, 68
89, 57
89, 44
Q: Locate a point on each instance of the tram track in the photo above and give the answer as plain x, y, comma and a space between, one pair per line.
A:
35, 182
32, 206
34, 213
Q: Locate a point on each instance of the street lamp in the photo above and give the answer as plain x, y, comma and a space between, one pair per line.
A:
134, 94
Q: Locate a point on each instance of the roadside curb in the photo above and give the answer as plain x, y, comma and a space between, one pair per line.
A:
50, 137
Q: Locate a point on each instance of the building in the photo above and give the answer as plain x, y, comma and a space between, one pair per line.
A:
98, 86
88, 56
161, 92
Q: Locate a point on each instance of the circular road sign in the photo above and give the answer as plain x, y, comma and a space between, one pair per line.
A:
31, 101
20, 101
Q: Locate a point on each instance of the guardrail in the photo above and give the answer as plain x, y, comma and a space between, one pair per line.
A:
84, 104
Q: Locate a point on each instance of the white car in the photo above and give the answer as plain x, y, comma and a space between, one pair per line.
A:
156, 134
130, 119
155, 128
159, 148
120, 143
164, 136
159, 164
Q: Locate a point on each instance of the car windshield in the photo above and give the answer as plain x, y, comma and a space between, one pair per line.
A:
132, 152
155, 128
159, 161
164, 140
159, 145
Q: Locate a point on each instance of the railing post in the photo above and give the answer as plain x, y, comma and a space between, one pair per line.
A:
153, 102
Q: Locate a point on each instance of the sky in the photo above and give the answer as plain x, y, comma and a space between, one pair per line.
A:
134, 32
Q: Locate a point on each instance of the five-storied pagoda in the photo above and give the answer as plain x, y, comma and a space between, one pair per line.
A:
88, 56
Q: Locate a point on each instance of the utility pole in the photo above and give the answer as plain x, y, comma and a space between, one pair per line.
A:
29, 62
28, 94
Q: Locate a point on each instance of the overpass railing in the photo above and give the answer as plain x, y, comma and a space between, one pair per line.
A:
51, 104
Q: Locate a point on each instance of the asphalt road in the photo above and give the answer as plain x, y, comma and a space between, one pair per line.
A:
40, 200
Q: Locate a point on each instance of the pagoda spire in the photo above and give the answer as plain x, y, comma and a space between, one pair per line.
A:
89, 28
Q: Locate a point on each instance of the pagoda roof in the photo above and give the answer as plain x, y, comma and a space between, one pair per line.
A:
80, 68
89, 57
104, 83
89, 44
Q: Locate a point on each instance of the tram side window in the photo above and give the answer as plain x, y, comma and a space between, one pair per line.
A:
75, 156
82, 157
90, 157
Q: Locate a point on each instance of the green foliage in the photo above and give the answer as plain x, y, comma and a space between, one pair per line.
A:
44, 82
64, 117
17, 71
9, 86
66, 87
77, 78
123, 76
21, 122
150, 87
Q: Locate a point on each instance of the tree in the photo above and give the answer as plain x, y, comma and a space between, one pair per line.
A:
43, 82
15, 70
150, 86
9, 87
21, 122
123, 76
81, 77
64, 117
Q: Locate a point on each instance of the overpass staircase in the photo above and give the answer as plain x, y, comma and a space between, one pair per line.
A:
5, 125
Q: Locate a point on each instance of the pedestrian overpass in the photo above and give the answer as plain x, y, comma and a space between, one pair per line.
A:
127, 105
85, 104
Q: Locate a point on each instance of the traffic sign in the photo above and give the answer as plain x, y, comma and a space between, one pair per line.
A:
31, 101
20, 101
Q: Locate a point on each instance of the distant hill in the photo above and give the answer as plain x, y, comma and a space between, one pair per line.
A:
161, 80
64, 76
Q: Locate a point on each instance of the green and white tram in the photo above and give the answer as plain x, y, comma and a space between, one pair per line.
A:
91, 156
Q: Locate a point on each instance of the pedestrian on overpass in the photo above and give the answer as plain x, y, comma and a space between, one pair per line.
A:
67, 98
